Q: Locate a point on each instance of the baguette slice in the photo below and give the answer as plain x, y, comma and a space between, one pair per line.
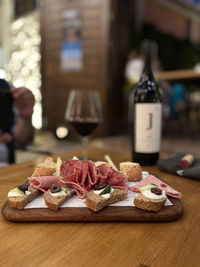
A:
20, 202
97, 202
148, 204
47, 168
131, 170
54, 202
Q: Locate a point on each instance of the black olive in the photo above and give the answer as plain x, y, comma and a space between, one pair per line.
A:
25, 185
156, 191
55, 188
100, 186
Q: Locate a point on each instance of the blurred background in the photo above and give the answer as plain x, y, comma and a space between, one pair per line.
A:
108, 36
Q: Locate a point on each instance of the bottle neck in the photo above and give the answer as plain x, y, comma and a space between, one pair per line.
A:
147, 71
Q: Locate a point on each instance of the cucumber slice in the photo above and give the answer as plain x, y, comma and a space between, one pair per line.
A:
64, 189
106, 190
17, 190
148, 186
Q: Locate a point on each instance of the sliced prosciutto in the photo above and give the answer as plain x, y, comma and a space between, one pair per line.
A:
153, 180
43, 183
83, 175
80, 191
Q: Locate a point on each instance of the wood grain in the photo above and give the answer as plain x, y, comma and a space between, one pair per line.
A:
178, 75
153, 244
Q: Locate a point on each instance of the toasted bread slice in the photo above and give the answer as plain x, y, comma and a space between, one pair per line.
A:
19, 202
97, 202
131, 170
47, 168
54, 202
148, 204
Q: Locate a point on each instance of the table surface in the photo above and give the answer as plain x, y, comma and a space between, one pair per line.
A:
179, 75
102, 244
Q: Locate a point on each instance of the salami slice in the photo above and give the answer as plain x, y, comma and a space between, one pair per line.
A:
83, 175
117, 179
71, 169
83, 179
103, 170
93, 177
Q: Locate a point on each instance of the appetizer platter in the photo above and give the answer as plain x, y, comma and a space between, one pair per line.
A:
84, 190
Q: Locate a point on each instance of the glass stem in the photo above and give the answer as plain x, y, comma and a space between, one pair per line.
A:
84, 143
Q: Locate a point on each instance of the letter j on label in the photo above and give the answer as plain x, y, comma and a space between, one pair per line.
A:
150, 121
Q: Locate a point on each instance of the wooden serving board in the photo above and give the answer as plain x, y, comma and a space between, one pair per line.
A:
111, 213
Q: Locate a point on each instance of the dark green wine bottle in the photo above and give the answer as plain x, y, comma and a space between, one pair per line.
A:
145, 111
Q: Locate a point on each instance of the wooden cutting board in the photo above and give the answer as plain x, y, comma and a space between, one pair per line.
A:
168, 213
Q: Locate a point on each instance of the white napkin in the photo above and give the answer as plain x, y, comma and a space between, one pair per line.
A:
76, 202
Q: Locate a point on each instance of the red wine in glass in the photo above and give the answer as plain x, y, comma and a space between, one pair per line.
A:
84, 113
84, 128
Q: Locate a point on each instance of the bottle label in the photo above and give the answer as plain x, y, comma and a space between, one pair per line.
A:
147, 127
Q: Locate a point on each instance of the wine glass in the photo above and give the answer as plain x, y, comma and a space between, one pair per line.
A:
84, 113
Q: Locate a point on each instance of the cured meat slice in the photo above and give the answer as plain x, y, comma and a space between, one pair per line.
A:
83, 175
43, 183
92, 175
71, 169
103, 170
80, 191
116, 178
83, 178
153, 180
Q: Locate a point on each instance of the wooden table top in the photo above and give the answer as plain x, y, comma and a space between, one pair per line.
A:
102, 244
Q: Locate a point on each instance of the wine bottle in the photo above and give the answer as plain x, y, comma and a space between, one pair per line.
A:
145, 112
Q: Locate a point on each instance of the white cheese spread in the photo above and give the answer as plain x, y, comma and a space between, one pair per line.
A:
17, 194
59, 194
107, 196
149, 194
97, 192
14, 194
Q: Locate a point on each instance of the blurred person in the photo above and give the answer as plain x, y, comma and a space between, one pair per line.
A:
21, 129
166, 99
178, 100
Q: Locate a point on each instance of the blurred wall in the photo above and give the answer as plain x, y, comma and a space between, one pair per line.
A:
105, 38
56, 83
166, 20
198, 33
1, 24
173, 18
1, 41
